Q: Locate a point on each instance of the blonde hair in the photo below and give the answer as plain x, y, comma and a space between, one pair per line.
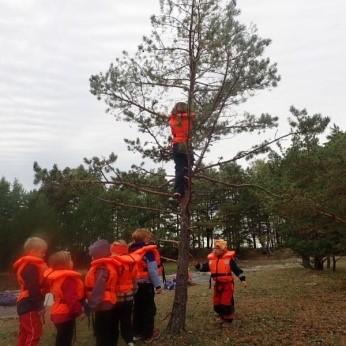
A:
180, 107
33, 244
142, 234
220, 244
60, 260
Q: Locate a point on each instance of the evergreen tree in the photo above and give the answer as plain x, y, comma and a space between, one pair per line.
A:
199, 53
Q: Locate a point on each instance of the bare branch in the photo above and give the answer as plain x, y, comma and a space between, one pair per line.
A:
237, 186
243, 154
126, 205
127, 184
169, 259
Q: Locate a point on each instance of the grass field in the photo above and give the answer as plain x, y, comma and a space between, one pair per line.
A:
285, 306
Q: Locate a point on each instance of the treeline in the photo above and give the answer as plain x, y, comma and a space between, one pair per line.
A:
295, 198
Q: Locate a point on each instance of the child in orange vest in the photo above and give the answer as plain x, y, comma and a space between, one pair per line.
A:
180, 123
125, 290
221, 266
101, 284
67, 288
29, 271
148, 283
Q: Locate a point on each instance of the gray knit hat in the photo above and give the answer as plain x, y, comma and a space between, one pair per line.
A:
101, 248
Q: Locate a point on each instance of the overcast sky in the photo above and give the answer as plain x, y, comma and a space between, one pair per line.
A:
50, 48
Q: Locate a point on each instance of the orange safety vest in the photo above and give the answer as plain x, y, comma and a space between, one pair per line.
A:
127, 274
219, 267
56, 279
179, 124
142, 267
19, 266
112, 266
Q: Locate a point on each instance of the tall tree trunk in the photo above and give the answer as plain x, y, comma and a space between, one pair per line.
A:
328, 262
306, 261
176, 323
254, 240
334, 263
318, 263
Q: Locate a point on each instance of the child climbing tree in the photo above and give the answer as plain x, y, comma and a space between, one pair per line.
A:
198, 53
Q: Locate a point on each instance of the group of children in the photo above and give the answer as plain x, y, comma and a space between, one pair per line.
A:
118, 289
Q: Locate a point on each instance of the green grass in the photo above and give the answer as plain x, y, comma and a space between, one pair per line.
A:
292, 306
170, 268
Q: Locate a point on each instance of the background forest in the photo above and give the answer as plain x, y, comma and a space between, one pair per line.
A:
292, 198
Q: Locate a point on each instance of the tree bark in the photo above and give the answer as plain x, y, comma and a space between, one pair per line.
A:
318, 263
334, 263
176, 324
254, 241
306, 261
328, 262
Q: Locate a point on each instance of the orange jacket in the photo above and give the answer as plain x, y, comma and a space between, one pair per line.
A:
112, 267
18, 267
179, 124
220, 267
142, 267
55, 280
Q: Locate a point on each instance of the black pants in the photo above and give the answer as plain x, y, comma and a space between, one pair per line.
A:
105, 330
65, 332
144, 310
123, 316
181, 163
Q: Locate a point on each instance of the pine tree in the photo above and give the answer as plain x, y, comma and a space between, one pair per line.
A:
199, 53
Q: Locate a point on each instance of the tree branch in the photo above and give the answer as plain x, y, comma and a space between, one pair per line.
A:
243, 154
205, 177
126, 205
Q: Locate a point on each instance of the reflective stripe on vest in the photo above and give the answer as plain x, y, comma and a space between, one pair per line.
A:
220, 268
19, 266
112, 266
56, 279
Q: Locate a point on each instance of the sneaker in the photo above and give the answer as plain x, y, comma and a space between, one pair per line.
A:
137, 338
155, 336
130, 344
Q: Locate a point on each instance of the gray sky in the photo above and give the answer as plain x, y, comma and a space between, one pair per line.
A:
50, 48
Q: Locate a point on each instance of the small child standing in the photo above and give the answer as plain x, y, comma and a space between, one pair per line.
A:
101, 285
67, 288
221, 266
29, 271
148, 283
125, 289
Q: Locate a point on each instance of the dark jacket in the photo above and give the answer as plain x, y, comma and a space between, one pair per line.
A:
35, 300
